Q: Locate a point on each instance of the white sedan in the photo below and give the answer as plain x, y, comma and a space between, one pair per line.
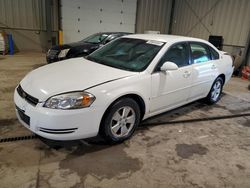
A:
112, 90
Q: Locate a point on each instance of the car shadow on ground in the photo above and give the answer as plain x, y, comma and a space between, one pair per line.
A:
197, 111
94, 144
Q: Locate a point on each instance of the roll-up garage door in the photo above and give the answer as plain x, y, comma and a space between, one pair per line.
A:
81, 18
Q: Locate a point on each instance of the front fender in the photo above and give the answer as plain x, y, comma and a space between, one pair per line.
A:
107, 93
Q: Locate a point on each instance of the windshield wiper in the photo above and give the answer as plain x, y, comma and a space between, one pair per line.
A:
110, 65
121, 67
95, 60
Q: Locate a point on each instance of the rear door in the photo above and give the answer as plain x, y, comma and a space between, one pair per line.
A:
204, 70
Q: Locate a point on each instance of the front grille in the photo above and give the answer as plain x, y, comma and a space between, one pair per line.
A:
23, 116
53, 52
57, 131
26, 96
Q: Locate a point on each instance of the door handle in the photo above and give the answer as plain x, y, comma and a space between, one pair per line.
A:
186, 74
213, 66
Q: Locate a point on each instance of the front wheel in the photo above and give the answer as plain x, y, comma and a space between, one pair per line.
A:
120, 121
215, 92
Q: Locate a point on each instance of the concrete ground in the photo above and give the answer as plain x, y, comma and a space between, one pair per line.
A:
186, 151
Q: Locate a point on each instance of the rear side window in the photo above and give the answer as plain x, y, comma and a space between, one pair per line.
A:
200, 53
214, 54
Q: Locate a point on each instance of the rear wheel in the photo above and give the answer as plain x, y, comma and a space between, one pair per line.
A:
120, 121
215, 92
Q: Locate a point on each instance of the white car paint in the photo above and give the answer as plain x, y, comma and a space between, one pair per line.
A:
160, 91
67, 76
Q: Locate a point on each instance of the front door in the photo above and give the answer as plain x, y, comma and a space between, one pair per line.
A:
171, 88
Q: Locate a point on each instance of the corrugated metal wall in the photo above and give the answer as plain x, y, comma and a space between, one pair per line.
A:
153, 15
26, 21
201, 18
28, 14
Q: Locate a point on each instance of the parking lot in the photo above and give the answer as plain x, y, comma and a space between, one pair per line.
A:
193, 146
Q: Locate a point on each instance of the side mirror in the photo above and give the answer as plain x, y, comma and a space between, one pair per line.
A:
169, 66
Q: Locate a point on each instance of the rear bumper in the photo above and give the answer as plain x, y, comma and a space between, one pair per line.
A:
229, 74
58, 124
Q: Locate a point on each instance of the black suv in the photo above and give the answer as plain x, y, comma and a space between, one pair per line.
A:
81, 48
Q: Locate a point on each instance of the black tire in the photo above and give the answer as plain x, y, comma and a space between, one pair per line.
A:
109, 120
212, 97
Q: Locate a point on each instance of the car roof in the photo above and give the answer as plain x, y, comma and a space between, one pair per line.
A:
164, 38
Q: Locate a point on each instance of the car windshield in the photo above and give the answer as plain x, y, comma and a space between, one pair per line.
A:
96, 38
127, 54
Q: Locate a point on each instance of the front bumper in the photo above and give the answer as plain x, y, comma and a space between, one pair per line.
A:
58, 124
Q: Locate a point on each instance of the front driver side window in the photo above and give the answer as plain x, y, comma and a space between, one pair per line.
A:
178, 54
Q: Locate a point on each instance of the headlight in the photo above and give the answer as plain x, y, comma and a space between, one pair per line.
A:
63, 53
72, 100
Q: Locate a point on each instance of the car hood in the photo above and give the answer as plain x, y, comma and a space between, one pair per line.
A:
69, 75
74, 45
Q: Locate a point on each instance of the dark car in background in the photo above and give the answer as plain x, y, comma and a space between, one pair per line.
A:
81, 48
